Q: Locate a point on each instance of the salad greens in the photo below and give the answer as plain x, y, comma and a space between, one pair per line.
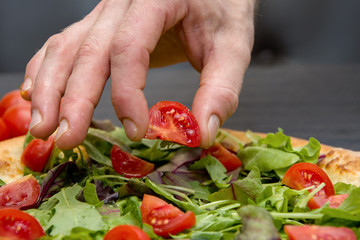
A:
84, 198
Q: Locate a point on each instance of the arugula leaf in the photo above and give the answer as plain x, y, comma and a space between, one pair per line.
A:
68, 213
216, 170
266, 159
243, 190
95, 154
90, 194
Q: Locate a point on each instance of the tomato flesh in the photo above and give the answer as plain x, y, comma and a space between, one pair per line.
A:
336, 200
18, 225
165, 218
10, 99
307, 232
303, 175
20, 193
172, 121
4, 131
228, 159
129, 165
17, 119
126, 232
37, 153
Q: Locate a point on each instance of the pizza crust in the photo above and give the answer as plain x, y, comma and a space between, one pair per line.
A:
11, 167
340, 164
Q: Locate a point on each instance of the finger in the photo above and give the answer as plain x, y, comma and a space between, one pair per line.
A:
48, 73
220, 84
137, 37
89, 75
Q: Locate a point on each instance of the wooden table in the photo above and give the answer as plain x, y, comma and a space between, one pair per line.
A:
321, 101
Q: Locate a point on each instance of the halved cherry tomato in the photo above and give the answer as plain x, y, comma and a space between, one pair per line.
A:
4, 131
126, 232
20, 193
303, 175
37, 153
17, 118
165, 218
129, 165
336, 200
307, 232
10, 99
18, 225
226, 157
172, 121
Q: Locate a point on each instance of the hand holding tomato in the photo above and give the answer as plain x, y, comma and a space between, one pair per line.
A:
124, 38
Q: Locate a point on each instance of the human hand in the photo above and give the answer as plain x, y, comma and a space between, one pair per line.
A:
124, 38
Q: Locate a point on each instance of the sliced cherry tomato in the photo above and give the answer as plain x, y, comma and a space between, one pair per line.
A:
225, 156
4, 131
336, 200
10, 99
307, 232
129, 165
165, 218
20, 193
37, 153
17, 118
303, 175
18, 225
172, 121
126, 232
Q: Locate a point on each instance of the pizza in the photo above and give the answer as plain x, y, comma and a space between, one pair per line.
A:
246, 186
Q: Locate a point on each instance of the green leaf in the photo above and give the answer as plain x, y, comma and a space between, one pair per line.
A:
257, 224
215, 169
69, 213
95, 154
243, 190
266, 159
90, 194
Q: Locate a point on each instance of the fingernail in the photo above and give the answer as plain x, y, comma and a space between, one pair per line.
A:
25, 87
36, 118
63, 128
130, 128
213, 127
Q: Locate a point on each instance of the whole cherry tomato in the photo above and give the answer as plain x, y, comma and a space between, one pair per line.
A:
17, 119
4, 131
10, 99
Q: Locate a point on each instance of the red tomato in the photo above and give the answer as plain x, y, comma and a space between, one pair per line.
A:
20, 193
307, 232
4, 131
226, 157
336, 200
18, 225
10, 99
165, 218
17, 118
129, 165
303, 175
37, 153
172, 121
126, 232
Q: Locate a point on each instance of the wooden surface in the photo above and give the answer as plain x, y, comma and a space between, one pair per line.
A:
321, 101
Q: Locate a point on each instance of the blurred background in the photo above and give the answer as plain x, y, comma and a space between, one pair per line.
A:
304, 76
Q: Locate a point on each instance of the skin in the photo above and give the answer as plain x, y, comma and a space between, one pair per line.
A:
126, 37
